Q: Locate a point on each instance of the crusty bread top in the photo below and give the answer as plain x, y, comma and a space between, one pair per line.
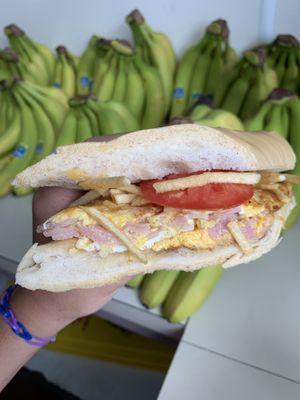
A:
155, 153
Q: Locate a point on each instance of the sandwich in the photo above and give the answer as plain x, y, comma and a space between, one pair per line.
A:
180, 197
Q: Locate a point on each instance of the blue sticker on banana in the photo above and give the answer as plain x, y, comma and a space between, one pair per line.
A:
57, 85
39, 148
178, 93
85, 81
19, 151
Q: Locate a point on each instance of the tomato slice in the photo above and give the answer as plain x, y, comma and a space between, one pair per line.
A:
208, 197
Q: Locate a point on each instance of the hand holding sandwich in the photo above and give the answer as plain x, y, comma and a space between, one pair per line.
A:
45, 313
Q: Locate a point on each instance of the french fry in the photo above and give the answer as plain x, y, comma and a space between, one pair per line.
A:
271, 177
86, 198
124, 198
250, 178
239, 237
295, 179
108, 225
134, 189
115, 191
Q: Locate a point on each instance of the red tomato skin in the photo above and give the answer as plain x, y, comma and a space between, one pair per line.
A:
212, 196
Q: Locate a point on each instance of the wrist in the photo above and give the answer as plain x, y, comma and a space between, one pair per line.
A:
41, 316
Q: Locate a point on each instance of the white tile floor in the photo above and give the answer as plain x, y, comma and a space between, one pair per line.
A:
93, 380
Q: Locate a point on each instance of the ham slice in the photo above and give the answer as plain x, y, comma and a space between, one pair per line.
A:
61, 233
98, 234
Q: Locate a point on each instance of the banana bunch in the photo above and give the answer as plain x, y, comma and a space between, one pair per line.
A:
36, 60
200, 68
65, 72
189, 292
284, 58
179, 294
247, 84
33, 116
88, 117
203, 114
85, 71
121, 75
274, 114
155, 49
281, 113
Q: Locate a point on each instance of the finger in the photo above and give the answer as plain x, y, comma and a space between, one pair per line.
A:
46, 202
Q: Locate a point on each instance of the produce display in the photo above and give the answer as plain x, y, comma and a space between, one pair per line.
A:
48, 100
201, 67
284, 58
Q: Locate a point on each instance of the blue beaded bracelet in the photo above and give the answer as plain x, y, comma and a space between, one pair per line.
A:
17, 327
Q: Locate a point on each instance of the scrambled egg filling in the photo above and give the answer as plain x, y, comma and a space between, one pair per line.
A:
163, 235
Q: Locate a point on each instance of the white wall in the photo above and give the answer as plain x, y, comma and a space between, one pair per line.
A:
71, 22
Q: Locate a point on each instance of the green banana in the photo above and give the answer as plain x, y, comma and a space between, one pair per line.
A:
68, 130
105, 90
54, 94
57, 77
86, 67
154, 107
199, 74
45, 129
156, 286
109, 120
93, 120
183, 76
134, 282
55, 110
84, 129
228, 77
102, 63
215, 69
236, 95
282, 54
10, 137
24, 151
274, 122
32, 64
294, 108
230, 57
162, 40
4, 105
68, 73
254, 97
280, 66
156, 53
159, 38
199, 111
257, 122
134, 94
120, 80
285, 120
5, 160
45, 53
292, 71
189, 292
5, 70
222, 119
130, 122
